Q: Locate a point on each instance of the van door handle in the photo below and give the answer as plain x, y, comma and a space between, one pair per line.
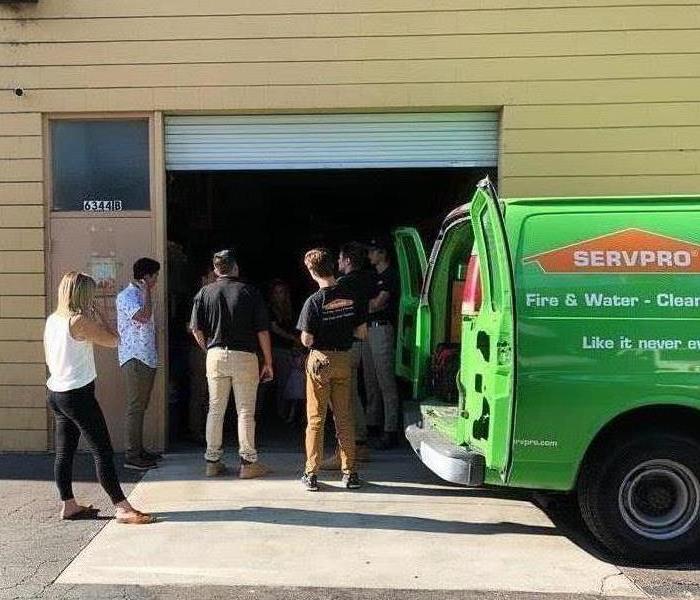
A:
504, 353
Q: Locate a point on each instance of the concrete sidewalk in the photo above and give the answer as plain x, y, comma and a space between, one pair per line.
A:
403, 530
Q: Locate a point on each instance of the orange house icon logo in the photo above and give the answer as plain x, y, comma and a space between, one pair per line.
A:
625, 251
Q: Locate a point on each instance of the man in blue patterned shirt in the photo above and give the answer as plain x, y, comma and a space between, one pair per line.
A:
138, 357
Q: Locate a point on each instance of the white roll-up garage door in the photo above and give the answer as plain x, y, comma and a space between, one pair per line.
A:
352, 141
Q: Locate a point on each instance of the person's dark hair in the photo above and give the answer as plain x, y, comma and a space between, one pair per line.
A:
356, 253
224, 261
145, 266
320, 261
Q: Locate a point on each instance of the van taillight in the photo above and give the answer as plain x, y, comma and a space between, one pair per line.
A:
471, 298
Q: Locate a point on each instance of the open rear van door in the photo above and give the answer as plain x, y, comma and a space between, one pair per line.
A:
412, 264
489, 340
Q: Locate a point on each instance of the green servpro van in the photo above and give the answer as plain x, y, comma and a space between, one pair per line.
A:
569, 333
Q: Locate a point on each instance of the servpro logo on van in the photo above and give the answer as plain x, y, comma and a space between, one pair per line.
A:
625, 251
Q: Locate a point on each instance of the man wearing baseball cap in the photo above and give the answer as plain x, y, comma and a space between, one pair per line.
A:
379, 353
230, 322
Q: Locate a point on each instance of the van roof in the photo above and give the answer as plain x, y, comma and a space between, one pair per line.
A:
588, 200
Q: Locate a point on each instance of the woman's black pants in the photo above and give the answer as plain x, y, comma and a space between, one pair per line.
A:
78, 413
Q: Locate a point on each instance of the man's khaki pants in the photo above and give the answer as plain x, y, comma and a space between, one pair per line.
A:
328, 383
228, 369
360, 420
138, 380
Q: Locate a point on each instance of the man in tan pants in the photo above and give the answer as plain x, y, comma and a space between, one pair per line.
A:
329, 321
229, 322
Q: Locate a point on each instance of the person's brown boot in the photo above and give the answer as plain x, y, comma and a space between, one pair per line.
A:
215, 469
253, 470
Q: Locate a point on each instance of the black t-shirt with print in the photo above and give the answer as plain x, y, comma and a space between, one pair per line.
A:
387, 281
230, 313
362, 284
331, 315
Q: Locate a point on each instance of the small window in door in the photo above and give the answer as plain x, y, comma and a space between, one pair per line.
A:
471, 298
490, 260
414, 268
100, 165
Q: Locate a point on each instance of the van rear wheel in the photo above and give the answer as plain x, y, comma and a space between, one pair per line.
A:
641, 496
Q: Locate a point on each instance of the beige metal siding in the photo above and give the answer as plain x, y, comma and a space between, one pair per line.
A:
610, 87
23, 422
598, 96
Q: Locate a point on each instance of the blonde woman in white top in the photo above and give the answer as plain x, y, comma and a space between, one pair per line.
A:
69, 336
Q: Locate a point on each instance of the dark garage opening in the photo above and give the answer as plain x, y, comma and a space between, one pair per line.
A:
271, 218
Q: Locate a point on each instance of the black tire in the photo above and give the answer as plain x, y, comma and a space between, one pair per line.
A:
640, 496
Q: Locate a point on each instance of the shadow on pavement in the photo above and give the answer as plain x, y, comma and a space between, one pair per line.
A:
314, 518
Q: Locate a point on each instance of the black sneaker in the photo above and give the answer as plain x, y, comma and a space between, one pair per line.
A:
351, 481
310, 482
139, 463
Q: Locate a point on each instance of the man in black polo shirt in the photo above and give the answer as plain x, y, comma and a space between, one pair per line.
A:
329, 321
229, 322
378, 362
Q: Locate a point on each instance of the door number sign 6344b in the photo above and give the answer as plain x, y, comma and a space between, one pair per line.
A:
102, 205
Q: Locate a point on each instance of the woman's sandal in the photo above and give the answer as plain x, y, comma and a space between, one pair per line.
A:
136, 517
86, 513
